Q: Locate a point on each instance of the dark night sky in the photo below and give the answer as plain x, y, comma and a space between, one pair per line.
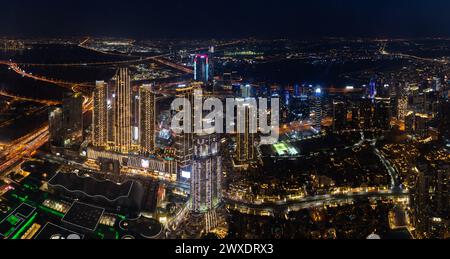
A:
225, 18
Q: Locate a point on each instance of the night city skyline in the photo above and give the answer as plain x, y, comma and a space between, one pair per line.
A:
225, 127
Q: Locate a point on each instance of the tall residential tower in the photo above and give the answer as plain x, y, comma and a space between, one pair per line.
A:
100, 115
122, 121
206, 173
148, 118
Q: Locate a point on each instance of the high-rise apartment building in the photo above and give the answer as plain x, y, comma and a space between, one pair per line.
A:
148, 118
122, 117
206, 173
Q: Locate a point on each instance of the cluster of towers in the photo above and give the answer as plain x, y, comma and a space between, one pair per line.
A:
198, 157
124, 120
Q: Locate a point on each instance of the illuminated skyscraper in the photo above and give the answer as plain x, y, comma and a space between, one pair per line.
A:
436, 84
429, 200
100, 115
56, 127
416, 124
111, 107
246, 91
421, 124
318, 110
372, 89
211, 54
148, 118
402, 107
184, 148
420, 199
72, 124
114, 146
66, 122
245, 138
206, 173
201, 68
136, 115
286, 98
122, 121
227, 80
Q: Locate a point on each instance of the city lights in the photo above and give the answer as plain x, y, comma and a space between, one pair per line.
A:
247, 123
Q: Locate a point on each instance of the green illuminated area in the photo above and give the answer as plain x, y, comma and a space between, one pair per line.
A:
10, 226
284, 149
31, 187
9, 232
107, 233
43, 208
53, 212
101, 235
25, 227
15, 226
7, 228
13, 220
22, 199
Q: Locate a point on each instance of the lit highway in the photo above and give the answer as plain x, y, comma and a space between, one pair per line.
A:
70, 85
384, 52
27, 99
173, 65
308, 202
29, 144
25, 148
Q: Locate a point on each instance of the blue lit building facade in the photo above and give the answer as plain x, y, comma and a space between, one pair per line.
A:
202, 68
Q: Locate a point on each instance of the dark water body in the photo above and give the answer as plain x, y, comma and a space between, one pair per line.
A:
53, 54
58, 54
298, 71
422, 48
15, 84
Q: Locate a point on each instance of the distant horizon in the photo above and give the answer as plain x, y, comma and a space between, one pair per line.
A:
68, 37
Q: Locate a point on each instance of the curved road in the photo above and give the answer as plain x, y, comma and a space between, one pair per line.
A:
310, 202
